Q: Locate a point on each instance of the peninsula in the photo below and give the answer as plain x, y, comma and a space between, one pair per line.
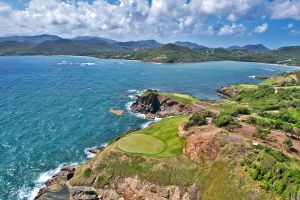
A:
246, 146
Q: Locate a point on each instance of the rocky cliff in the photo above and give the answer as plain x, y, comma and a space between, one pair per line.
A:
156, 105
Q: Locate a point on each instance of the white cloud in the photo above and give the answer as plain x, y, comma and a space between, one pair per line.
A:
133, 19
262, 28
283, 9
232, 9
290, 26
294, 32
232, 29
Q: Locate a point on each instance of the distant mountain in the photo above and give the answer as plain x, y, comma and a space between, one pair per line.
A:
168, 53
33, 39
191, 45
142, 44
234, 47
57, 47
146, 50
250, 47
96, 39
256, 48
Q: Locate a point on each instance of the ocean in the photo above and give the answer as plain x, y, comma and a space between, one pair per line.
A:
54, 107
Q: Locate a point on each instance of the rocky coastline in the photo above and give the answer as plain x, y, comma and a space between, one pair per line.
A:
156, 105
152, 105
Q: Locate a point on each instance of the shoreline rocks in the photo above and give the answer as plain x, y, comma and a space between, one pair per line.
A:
133, 188
227, 92
117, 112
57, 183
95, 150
155, 105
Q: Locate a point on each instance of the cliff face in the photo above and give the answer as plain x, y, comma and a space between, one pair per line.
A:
157, 105
150, 104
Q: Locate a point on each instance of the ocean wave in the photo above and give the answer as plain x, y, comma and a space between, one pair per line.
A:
145, 125
133, 93
87, 64
252, 76
139, 115
64, 62
90, 154
271, 70
29, 193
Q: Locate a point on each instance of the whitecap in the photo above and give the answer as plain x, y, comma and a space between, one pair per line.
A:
87, 64
132, 96
132, 91
90, 154
252, 77
30, 194
139, 115
271, 70
145, 125
64, 62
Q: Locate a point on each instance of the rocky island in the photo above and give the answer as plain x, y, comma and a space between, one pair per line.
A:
243, 147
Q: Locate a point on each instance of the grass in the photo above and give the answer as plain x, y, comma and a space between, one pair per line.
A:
165, 131
141, 143
245, 86
182, 98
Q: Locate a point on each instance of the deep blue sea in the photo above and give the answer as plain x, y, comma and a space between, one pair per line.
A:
53, 108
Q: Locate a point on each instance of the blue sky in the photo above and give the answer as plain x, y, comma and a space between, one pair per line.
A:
208, 22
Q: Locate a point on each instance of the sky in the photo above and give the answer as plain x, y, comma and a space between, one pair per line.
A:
213, 23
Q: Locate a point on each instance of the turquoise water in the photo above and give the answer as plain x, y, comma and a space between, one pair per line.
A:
52, 108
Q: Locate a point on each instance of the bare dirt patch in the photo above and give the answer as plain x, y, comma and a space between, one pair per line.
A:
200, 144
275, 139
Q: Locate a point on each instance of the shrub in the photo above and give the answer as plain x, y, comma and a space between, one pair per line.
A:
287, 128
226, 121
288, 143
243, 110
279, 186
262, 133
198, 119
279, 156
87, 172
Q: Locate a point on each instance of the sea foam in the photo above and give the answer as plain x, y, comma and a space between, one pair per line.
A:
30, 194
90, 154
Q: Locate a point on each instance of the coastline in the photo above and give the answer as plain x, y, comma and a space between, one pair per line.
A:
171, 63
72, 189
190, 62
153, 62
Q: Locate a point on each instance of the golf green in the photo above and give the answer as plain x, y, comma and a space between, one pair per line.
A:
141, 143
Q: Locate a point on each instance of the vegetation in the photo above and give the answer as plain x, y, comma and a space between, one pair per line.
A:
241, 169
288, 143
276, 102
141, 143
178, 171
262, 133
148, 50
198, 119
275, 171
164, 132
182, 98
225, 121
